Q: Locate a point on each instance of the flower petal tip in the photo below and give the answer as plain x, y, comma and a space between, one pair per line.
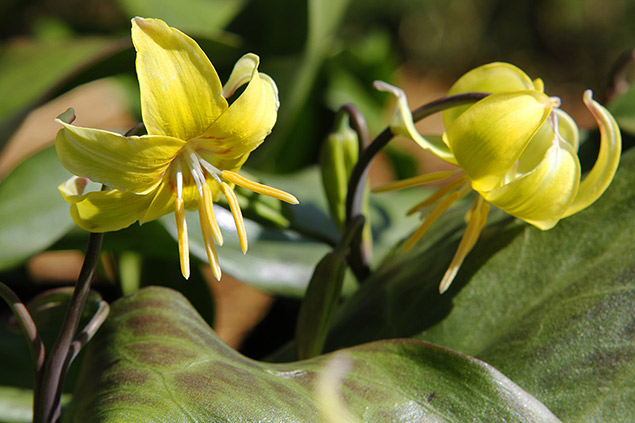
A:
67, 117
292, 200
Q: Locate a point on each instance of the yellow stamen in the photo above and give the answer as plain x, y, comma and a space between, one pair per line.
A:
417, 180
440, 193
181, 229
208, 210
237, 213
208, 237
477, 219
241, 181
431, 218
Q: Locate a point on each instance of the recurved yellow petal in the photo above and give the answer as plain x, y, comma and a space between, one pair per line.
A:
105, 211
73, 189
491, 78
130, 164
402, 123
543, 195
599, 178
180, 89
249, 119
490, 136
561, 125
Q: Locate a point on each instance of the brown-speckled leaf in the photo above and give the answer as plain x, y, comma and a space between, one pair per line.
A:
156, 360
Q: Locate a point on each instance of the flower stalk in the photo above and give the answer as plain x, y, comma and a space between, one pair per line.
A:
357, 181
48, 387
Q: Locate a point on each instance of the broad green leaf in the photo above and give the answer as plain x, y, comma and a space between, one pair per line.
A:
278, 262
553, 310
202, 17
155, 359
33, 214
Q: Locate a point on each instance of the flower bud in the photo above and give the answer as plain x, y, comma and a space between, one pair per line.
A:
337, 159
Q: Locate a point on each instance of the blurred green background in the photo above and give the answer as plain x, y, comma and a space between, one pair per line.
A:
319, 62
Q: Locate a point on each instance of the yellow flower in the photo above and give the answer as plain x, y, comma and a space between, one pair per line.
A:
195, 145
515, 148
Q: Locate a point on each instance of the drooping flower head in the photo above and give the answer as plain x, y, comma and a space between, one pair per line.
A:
195, 145
515, 148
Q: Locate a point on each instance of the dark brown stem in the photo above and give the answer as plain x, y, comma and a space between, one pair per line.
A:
26, 324
48, 389
358, 257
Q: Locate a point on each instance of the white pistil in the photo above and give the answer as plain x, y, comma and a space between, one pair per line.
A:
211, 169
196, 171
179, 180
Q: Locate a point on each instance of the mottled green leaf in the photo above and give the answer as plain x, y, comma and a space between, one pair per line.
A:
155, 359
33, 214
553, 310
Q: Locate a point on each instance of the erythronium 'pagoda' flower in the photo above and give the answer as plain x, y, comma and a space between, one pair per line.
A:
195, 145
515, 148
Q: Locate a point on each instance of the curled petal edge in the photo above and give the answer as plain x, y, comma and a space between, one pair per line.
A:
402, 123
103, 211
603, 171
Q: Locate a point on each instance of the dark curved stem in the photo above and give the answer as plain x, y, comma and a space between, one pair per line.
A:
27, 325
358, 123
358, 256
48, 388
358, 176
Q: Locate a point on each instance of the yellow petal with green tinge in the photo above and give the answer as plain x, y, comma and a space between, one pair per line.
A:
402, 124
105, 211
542, 140
543, 195
490, 136
250, 118
491, 78
180, 89
130, 164
602, 173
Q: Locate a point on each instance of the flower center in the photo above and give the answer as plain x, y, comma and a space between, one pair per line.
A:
200, 169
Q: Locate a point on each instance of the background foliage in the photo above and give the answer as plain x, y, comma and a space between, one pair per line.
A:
551, 311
